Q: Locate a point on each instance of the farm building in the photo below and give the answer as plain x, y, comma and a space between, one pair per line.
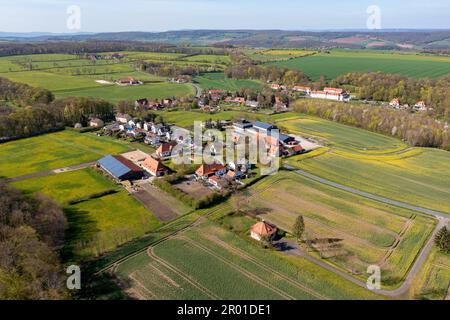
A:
263, 230
120, 168
155, 167
128, 81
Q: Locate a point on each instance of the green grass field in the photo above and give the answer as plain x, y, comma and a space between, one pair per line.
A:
341, 62
71, 75
342, 137
181, 269
117, 93
96, 225
376, 164
367, 230
55, 150
218, 80
432, 282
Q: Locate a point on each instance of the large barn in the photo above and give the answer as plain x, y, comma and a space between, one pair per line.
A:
121, 168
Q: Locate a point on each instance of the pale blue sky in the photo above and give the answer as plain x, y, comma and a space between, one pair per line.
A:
160, 15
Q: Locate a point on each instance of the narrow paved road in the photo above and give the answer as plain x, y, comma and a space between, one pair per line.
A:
50, 172
443, 218
295, 250
198, 90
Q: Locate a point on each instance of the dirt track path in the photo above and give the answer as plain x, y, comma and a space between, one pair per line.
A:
51, 172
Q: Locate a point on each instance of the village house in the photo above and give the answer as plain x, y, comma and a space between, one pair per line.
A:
395, 103
207, 170
218, 182
123, 118
96, 122
306, 90
112, 128
262, 128
263, 230
235, 100
155, 167
235, 175
141, 103
128, 81
252, 104
331, 94
165, 150
420, 106
242, 126
152, 139
167, 102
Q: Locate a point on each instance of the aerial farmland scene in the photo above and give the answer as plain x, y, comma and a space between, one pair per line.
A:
185, 151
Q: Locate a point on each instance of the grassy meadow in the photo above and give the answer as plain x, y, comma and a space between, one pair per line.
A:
375, 163
339, 62
95, 225
217, 80
363, 232
180, 269
432, 282
55, 150
71, 75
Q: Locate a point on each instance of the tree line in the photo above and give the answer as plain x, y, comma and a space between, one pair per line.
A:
242, 67
23, 94
380, 86
28, 111
95, 46
416, 129
31, 231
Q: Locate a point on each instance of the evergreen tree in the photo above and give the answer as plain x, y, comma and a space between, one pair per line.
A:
299, 228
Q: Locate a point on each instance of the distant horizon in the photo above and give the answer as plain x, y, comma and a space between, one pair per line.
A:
100, 16
190, 30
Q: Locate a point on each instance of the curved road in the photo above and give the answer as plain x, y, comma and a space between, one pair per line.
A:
442, 217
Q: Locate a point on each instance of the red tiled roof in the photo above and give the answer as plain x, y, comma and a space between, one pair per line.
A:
209, 169
166, 147
264, 229
154, 165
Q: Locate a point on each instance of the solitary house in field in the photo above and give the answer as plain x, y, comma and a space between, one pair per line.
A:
263, 230
120, 168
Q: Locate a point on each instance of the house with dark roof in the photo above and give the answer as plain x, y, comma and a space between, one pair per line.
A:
263, 128
120, 168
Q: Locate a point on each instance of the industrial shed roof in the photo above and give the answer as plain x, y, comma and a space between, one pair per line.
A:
118, 166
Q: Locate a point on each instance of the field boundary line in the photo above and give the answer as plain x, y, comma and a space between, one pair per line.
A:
239, 269
247, 257
152, 254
